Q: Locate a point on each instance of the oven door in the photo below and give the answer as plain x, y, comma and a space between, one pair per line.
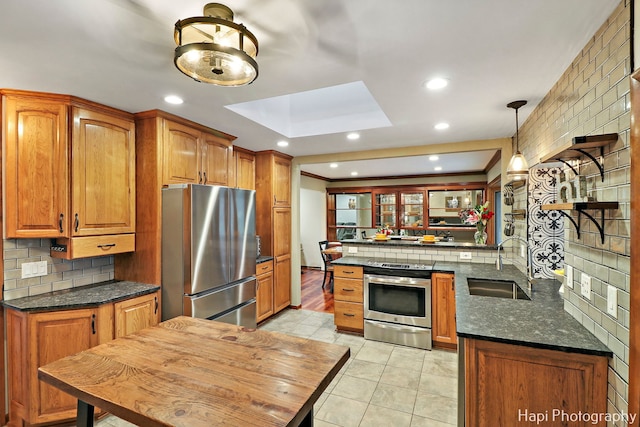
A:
402, 300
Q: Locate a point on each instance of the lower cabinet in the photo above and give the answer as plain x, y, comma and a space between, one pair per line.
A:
505, 382
443, 310
348, 298
264, 293
35, 339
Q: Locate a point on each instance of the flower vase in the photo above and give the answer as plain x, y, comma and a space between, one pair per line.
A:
480, 236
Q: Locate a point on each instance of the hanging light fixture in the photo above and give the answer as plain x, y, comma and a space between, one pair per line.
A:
518, 168
214, 49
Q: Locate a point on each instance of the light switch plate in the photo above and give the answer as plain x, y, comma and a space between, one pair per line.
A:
34, 269
465, 255
353, 249
612, 301
585, 282
569, 272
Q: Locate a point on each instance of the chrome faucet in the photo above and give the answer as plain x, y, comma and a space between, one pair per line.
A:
529, 259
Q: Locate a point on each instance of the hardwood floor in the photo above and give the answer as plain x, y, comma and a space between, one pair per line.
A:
313, 296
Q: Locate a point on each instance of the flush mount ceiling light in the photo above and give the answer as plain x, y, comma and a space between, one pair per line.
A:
437, 83
441, 126
518, 168
214, 49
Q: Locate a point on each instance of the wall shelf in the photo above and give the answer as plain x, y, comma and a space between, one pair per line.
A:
580, 207
582, 146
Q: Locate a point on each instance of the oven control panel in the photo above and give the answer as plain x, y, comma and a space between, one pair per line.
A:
385, 268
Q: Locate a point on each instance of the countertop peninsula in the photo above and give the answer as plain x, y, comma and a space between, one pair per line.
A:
413, 243
82, 296
540, 323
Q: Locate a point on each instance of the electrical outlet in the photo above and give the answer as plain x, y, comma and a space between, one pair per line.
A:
612, 301
353, 249
465, 255
523, 253
568, 271
585, 283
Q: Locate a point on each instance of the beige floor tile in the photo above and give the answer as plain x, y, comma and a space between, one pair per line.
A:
355, 388
441, 367
435, 407
320, 423
377, 416
407, 358
341, 411
436, 384
373, 351
417, 421
400, 377
365, 370
398, 398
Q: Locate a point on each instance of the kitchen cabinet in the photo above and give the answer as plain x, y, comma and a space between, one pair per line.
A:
245, 168
69, 170
385, 209
35, 339
503, 380
443, 311
273, 219
264, 293
169, 150
348, 298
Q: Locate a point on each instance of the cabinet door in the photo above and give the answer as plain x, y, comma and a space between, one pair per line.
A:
281, 182
264, 296
281, 232
216, 153
385, 209
245, 170
53, 336
35, 168
282, 283
180, 156
137, 313
103, 174
443, 309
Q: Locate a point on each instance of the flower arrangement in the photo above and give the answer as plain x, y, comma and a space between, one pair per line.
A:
478, 216
384, 230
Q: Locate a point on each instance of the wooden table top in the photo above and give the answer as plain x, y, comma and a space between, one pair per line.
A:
195, 372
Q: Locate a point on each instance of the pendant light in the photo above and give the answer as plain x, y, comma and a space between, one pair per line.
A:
214, 49
518, 169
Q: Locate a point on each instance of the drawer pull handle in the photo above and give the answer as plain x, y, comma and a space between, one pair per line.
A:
76, 222
348, 272
93, 324
348, 290
60, 223
349, 315
204, 174
199, 177
155, 311
106, 245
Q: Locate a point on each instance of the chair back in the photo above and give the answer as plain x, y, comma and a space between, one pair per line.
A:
325, 257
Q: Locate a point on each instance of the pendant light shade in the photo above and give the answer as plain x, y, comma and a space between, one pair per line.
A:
214, 49
518, 169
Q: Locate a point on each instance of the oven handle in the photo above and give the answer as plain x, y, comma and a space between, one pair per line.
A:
398, 280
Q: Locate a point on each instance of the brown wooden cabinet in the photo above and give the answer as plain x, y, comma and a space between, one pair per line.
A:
273, 219
37, 338
69, 170
502, 381
443, 310
264, 293
348, 298
169, 150
245, 168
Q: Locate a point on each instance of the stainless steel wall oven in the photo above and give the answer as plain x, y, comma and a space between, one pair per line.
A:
398, 309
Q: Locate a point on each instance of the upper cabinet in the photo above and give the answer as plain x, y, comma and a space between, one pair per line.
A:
69, 171
274, 177
245, 168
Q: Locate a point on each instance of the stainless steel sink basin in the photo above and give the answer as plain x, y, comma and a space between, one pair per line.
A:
496, 288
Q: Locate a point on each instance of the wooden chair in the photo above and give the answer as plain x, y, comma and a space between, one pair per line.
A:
326, 258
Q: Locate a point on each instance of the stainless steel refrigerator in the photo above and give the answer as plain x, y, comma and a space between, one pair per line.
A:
209, 253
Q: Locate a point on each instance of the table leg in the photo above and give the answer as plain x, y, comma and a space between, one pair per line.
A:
85, 414
308, 419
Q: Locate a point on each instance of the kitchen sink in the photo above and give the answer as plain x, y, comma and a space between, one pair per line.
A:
496, 288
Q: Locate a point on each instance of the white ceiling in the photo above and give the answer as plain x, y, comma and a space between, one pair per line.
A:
120, 53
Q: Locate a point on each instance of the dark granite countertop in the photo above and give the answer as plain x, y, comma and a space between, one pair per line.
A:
541, 322
262, 259
81, 297
415, 243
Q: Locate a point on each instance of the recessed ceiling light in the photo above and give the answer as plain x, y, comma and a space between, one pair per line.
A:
173, 99
437, 168
283, 144
353, 136
333, 165
434, 158
442, 126
354, 173
437, 83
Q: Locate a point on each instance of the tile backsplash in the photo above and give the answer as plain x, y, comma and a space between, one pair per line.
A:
61, 274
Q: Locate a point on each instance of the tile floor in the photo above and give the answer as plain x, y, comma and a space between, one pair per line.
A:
381, 384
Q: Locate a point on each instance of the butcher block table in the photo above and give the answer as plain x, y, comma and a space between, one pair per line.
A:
193, 372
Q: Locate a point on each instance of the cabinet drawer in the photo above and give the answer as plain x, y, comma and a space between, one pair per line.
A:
92, 246
348, 315
264, 267
347, 271
347, 289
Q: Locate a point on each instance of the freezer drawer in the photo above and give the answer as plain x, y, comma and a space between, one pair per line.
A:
244, 315
207, 304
